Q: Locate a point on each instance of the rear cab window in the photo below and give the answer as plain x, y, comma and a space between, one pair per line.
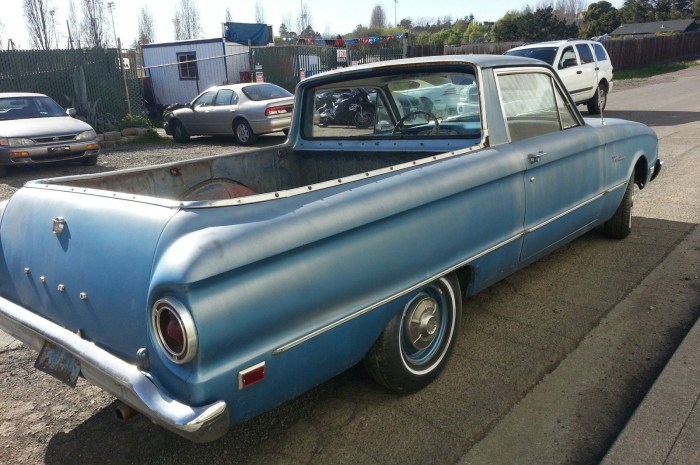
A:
404, 105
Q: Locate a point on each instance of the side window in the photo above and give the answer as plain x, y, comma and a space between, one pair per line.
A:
226, 97
532, 105
568, 58
205, 100
187, 65
584, 51
600, 53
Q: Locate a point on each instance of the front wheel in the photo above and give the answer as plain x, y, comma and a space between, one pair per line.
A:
620, 225
180, 134
414, 348
89, 161
243, 132
597, 103
362, 119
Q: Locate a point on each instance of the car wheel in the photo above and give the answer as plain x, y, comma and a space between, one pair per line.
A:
600, 98
285, 131
620, 225
89, 161
243, 132
180, 134
414, 348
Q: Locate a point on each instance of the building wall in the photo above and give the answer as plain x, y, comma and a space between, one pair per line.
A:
161, 63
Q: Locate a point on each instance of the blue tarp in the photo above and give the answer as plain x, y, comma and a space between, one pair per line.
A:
241, 33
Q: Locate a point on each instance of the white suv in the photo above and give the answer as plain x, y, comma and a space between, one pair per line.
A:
583, 65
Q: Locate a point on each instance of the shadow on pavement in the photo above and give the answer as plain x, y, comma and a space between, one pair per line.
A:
513, 334
655, 118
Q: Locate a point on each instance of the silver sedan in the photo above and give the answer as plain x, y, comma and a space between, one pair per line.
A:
35, 129
244, 110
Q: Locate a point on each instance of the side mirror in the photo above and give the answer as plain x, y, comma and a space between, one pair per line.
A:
71, 112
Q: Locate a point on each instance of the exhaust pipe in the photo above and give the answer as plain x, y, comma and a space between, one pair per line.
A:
124, 412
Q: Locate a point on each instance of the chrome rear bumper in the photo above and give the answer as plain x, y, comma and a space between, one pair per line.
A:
118, 377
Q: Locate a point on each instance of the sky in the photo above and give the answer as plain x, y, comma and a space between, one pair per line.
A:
329, 17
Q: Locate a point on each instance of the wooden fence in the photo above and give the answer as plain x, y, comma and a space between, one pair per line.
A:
624, 53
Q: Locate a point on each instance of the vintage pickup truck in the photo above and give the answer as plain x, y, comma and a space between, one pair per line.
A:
202, 293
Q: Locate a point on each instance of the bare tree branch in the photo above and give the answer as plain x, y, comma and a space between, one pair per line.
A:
94, 18
187, 24
259, 13
147, 34
41, 23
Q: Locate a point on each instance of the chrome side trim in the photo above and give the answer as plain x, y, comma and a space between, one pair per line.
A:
574, 208
459, 265
118, 377
386, 300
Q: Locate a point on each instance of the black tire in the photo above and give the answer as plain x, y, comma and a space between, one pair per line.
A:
416, 345
285, 131
620, 225
243, 132
180, 134
362, 119
89, 161
597, 103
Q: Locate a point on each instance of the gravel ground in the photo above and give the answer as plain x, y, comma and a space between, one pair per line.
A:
130, 156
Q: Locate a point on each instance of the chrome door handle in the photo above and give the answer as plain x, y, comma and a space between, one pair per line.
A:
535, 157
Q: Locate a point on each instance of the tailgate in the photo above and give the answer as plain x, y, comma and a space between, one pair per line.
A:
82, 261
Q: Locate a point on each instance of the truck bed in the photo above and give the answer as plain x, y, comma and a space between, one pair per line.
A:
258, 171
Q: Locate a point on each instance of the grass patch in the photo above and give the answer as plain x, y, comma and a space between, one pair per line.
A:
653, 70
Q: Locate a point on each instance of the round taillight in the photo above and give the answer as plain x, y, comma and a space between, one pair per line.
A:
174, 330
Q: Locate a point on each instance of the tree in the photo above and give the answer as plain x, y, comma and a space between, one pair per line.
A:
41, 23
94, 18
304, 20
72, 23
147, 33
532, 26
259, 13
187, 24
600, 18
637, 11
378, 19
696, 9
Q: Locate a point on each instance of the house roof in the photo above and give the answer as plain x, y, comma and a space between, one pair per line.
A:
676, 25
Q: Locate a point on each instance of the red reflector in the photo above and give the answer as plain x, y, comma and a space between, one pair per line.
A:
251, 375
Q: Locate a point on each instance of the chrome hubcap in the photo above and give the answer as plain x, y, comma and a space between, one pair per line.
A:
423, 322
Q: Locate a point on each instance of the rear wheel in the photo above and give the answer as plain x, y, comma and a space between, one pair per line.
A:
597, 103
180, 134
414, 348
243, 132
620, 225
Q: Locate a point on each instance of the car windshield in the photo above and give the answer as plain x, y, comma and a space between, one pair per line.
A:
29, 107
265, 92
545, 54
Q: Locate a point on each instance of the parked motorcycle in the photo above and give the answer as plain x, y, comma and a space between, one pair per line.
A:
351, 107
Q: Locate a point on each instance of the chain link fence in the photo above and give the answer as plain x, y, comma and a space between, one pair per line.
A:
90, 81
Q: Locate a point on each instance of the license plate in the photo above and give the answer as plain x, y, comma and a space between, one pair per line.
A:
58, 363
59, 149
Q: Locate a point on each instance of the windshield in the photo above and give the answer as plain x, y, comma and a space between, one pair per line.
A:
29, 107
545, 54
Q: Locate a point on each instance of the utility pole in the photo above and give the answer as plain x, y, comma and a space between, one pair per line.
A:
110, 6
395, 23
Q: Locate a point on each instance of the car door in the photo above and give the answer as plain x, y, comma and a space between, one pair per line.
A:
195, 120
588, 70
564, 175
218, 118
569, 69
